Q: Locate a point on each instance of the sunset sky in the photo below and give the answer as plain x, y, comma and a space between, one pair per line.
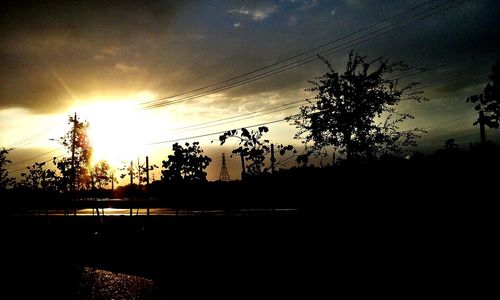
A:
105, 60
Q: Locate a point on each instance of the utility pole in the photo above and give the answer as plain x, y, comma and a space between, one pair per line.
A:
73, 171
113, 180
480, 120
73, 142
147, 171
273, 159
147, 182
243, 171
131, 172
481, 128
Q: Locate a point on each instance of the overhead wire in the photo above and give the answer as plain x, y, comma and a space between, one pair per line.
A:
213, 133
24, 168
292, 57
162, 102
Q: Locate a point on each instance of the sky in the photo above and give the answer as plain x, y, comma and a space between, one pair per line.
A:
105, 60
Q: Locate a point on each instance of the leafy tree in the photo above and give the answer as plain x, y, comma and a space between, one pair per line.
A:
489, 103
39, 178
253, 149
74, 169
355, 110
100, 175
5, 180
186, 164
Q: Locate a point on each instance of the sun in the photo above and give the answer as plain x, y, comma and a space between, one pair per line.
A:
118, 130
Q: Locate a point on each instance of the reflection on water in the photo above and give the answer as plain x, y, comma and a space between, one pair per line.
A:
156, 212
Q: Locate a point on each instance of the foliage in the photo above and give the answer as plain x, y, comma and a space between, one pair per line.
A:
79, 175
39, 178
100, 175
355, 111
141, 171
253, 149
186, 164
489, 103
5, 180
138, 171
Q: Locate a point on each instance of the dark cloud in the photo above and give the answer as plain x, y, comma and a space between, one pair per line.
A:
83, 45
53, 51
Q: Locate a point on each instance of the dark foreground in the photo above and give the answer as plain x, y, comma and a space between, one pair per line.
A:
361, 253
420, 231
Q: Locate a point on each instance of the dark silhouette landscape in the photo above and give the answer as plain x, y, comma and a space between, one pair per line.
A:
356, 202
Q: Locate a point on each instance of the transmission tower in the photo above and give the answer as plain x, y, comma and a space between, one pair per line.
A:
224, 174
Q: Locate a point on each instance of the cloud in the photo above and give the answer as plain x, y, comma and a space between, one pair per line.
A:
257, 14
354, 2
303, 4
87, 43
103, 49
127, 68
309, 4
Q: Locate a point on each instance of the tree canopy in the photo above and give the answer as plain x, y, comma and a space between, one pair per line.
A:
488, 104
354, 111
254, 149
186, 164
74, 169
5, 180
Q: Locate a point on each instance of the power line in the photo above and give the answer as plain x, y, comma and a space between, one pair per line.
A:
430, 68
476, 74
292, 65
33, 158
273, 109
249, 115
417, 88
291, 57
449, 121
32, 138
254, 114
252, 126
440, 138
24, 168
243, 119
162, 102
213, 133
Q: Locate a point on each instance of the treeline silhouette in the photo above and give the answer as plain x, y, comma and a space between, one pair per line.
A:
374, 220
448, 173
354, 113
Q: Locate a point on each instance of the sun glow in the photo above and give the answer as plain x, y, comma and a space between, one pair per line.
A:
118, 130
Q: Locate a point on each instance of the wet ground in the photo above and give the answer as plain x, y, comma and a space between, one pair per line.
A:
101, 284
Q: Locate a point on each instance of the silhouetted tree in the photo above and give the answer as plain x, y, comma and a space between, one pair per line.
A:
5, 180
39, 178
141, 171
253, 149
355, 111
489, 103
185, 164
100, 175
75, 167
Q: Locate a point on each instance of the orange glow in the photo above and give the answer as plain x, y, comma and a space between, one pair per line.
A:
118, 130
